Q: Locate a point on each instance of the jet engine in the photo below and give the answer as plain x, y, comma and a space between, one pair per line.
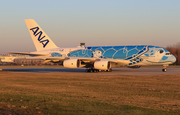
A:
72, 63
102, 65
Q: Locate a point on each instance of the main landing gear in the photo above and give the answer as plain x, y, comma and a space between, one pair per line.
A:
97, 70
164, 68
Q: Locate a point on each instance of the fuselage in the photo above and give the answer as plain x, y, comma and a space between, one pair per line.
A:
136, 54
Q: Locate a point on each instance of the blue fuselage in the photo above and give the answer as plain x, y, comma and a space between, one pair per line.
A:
137, 54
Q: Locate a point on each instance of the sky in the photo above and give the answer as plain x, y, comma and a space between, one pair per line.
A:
95, 22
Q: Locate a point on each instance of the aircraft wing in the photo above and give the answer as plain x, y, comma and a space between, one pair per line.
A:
60, 59
90, 60
26, 53
85, 60
119, 61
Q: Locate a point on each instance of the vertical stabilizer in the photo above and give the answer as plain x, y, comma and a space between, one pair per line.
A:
39, 37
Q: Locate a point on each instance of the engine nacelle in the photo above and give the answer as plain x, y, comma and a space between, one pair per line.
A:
72, 63
102, 65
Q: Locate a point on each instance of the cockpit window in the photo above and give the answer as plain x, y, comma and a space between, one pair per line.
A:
168, 53
161, 51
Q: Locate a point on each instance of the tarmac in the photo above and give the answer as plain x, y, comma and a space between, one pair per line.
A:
116, 71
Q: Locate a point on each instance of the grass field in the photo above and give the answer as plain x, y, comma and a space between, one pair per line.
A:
75, 93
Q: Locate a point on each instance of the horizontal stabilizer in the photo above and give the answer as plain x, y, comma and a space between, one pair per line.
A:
26, 53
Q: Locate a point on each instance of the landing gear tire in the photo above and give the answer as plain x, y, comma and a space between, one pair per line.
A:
89, 70
97, 70
164, 69
109, 70
92, 70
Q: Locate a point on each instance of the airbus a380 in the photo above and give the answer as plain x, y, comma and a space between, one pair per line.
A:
95, 58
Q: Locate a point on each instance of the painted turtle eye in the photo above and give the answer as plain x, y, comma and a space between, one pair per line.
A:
161, 51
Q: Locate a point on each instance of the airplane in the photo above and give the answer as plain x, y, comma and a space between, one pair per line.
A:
95, 58
7, 59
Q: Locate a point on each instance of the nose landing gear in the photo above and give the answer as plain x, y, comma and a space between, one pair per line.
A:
164, 68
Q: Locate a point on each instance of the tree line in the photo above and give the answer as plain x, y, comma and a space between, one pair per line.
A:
175, 50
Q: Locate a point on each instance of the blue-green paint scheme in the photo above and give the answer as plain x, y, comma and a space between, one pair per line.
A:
111, 52
164, 58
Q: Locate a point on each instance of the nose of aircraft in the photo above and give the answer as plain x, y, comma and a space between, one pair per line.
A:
172, 59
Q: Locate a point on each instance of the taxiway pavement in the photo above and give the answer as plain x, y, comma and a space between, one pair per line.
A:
116, 71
